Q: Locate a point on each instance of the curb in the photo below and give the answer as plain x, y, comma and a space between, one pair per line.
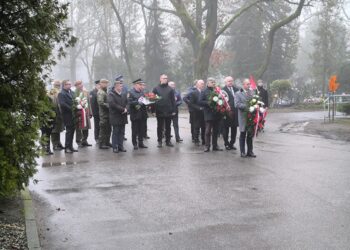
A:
33, 241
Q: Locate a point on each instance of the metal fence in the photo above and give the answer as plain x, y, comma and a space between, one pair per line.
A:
330, 105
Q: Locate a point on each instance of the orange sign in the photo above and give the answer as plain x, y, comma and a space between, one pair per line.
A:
333, 85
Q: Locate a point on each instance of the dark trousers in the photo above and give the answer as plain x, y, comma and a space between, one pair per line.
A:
69, 136
96, 127
211, 131
192, 125
81, 135
161, 122
243, 138
55, 139
175, 120
145, 125
199, 129
105, 132
137, 131
45, 137
118, 136
225, 134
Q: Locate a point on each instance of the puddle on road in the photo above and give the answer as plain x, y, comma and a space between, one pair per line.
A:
63, 163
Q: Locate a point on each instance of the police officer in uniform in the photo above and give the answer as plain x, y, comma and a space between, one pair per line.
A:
138, 114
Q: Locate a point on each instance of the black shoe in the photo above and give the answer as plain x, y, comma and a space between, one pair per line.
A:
115, 150
217, 149
136, 147
68, 151
141, 145
228, 147
110, 145
169, 144
243, 155
49, 152
73, 149
86, 144
122, 150
160, 144
233, 147
58, 148
207, 149
179, 140
251, 154
104, 147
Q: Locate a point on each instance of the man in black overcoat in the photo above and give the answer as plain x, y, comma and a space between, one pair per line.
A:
94, 108
197, 112
66, 102
211, 117
165, 109
118, 115
230, 121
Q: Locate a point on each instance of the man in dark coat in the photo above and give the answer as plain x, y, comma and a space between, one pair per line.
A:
65, 100
165, 109
138, 114
94, 108
197, 113
186, 99
103, 109
212, 118
118, 112
231, 120
175, 118
263, 94
58, 122
241, 99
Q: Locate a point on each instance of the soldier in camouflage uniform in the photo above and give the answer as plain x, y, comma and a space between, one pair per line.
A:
58, 122
105, 127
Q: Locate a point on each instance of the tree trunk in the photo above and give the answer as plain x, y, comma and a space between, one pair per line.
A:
260, 72
73, 64
123, 40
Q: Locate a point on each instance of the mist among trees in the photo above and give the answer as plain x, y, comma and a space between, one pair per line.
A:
304, 41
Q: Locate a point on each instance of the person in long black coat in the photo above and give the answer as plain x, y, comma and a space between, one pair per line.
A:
165, 109
197, 112
230, 122
94, 108
263, 94
138, 114
65, 100
212, 118
118, 115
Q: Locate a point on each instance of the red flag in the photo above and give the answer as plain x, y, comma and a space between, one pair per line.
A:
252, 82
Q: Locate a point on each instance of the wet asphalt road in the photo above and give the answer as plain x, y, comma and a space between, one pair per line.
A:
294, 195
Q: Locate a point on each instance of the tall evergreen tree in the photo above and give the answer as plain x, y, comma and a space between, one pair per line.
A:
330, 45
156, 57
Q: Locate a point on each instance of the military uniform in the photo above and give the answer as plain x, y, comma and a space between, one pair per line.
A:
105, 126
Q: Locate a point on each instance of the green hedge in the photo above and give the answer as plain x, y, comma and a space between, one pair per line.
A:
345, 108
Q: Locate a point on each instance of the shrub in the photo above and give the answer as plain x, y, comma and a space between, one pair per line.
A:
29, 32
344, 107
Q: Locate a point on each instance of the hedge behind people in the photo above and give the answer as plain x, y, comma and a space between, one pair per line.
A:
29, 31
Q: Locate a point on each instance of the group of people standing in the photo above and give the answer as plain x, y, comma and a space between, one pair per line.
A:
110, 110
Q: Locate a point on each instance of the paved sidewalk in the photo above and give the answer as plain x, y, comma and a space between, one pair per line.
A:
294, 195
